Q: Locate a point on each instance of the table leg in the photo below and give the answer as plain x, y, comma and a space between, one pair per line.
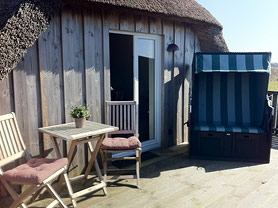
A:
94, 161
59, 155
56, 146
99, 174
71, 151
93, 155
100, 177
91, 149
70, 157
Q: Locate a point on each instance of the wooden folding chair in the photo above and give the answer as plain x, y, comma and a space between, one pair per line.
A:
123, 115
38, 173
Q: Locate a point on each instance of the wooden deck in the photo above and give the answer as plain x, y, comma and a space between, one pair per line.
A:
173, 180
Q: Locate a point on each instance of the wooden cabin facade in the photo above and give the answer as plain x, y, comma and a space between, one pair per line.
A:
70, 64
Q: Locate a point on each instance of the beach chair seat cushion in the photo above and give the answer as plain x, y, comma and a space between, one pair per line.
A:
35, 171
120, 143
230, 128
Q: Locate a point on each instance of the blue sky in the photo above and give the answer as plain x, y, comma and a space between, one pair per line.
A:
249, 25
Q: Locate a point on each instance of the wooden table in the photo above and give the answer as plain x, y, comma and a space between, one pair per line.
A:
91, 132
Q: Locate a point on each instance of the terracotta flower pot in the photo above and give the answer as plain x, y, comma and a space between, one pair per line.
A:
80, 122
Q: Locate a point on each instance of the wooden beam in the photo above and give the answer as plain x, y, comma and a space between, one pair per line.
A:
168, 32
51, 80
74, 71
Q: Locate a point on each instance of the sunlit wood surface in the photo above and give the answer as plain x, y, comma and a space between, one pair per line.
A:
173, 180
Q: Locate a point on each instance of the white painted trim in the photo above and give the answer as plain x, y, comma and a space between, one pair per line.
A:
145, 35
135, 81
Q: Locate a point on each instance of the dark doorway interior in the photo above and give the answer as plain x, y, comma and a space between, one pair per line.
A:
121, 67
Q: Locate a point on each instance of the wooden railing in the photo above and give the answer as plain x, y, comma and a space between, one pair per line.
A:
274, 95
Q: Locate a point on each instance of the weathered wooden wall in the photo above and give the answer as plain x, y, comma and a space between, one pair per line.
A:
69, 64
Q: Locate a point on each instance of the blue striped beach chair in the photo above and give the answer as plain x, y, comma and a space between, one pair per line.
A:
231, 117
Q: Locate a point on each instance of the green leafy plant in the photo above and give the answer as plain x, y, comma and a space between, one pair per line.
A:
80, 111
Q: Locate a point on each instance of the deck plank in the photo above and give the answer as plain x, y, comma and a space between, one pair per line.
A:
173, 180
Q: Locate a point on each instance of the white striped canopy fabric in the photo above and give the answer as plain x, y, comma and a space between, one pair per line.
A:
232, 62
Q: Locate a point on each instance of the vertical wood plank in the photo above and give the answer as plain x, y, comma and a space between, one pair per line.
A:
178, 84
110, 20
93, 62
155, 24
189, 55
73, 68
6, 95
27, 99
19, 77
33, 100
51, 80
93, 53
141, 23
127, 22
168, 32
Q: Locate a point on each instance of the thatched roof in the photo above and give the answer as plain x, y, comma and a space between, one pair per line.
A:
180, 8
207, 28
22, 21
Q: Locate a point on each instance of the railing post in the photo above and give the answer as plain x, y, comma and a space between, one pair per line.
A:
274, 105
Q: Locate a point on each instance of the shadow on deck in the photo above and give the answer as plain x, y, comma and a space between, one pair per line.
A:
173, 180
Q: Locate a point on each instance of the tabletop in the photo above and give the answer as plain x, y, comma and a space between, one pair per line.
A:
68, 131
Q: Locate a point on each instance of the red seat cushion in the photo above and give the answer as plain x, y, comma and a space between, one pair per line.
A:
120, 143
35, 170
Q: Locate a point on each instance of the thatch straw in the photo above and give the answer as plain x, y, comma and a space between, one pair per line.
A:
22, 21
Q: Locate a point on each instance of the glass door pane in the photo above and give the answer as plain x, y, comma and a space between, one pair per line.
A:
146, 98
145, 86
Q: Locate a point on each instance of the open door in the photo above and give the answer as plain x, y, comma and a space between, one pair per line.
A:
135, 62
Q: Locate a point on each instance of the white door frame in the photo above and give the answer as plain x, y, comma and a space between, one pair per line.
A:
154, 143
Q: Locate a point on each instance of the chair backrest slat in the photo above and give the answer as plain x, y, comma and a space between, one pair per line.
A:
17, 135
11, 142
11, 135
6, 146
123, 115
3, 153
117, 116
114, 115
128, 116
132, 121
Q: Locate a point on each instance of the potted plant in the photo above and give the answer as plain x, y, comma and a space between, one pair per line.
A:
79, 113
